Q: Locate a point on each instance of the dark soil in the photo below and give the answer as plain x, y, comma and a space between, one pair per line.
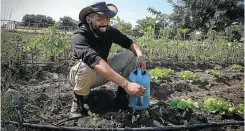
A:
50, 96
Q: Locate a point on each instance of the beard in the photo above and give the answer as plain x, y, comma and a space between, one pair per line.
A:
99, 30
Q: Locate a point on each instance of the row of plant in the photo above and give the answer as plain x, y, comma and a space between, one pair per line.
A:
182, 106
212, 105
213, 46
42, 47
158, 74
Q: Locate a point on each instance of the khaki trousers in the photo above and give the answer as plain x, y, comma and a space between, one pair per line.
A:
83, 78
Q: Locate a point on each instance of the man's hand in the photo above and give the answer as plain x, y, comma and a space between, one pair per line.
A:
134, 89
141, 62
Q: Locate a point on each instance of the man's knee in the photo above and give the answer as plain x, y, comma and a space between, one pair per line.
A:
130, 56
82, 78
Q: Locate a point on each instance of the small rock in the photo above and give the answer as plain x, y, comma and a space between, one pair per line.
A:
181, 85
237, 76
218, 67
204, 83
55, 109
11, 91
164, 84
156, 123
153, 101
33, 81
55, 76
211, 85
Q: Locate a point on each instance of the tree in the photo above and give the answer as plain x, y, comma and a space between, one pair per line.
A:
50, 20
121, 25
37, 20
67, 21
161, 20
205, 15
28, 18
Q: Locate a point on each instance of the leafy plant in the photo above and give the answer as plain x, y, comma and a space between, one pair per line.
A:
10, 48
158, 73
237, 67
183, 104
51, 44
214, 73
189, 76
94, 117
240, 109
136, 115
222, 107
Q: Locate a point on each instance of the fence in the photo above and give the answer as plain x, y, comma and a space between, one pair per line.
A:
16, 26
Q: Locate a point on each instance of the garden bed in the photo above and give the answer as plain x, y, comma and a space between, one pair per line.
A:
50, 96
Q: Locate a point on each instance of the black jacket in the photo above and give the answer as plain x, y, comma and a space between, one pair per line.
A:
90, 50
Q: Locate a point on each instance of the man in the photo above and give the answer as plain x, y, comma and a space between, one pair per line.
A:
91, 44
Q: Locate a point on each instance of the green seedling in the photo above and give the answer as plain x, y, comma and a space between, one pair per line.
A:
189, 77
163, 73
237, 67
222, 107
240, 109
183, 104
91, 114
137, 115
214, 73
95, 118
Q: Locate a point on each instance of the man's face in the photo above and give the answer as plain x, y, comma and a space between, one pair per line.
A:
99, 22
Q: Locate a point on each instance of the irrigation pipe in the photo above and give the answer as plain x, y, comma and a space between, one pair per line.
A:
177, 127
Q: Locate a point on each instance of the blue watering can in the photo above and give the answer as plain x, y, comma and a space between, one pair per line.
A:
142, 78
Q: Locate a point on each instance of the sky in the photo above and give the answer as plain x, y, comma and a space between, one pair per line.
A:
128, 10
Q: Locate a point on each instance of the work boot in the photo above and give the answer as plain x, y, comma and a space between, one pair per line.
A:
77, 108
121, 99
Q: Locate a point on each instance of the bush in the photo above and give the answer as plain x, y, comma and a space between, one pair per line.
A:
10, 48
7, 111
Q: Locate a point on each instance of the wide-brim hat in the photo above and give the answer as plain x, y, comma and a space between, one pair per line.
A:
103, 9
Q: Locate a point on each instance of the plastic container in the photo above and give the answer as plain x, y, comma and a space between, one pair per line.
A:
143, 102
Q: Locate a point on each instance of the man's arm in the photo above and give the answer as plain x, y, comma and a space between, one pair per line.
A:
133, 89
141, 58
105, 70
136, 49
125, 42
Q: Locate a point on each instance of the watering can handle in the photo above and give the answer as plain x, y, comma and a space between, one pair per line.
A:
139, 71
